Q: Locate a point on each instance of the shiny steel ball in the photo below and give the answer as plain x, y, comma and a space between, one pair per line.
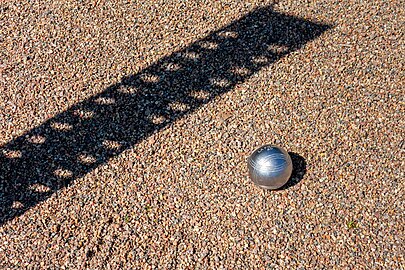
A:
270, 167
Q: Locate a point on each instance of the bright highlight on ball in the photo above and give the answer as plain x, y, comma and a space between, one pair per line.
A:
270, 167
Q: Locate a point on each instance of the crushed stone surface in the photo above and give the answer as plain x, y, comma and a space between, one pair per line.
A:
125, 127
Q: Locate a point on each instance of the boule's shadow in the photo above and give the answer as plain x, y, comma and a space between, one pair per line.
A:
298, 172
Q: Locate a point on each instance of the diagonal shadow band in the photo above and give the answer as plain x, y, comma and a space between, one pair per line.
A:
76, 141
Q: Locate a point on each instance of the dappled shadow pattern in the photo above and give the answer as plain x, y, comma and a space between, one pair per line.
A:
75, 142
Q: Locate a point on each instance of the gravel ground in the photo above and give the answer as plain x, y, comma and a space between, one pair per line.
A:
125, 127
